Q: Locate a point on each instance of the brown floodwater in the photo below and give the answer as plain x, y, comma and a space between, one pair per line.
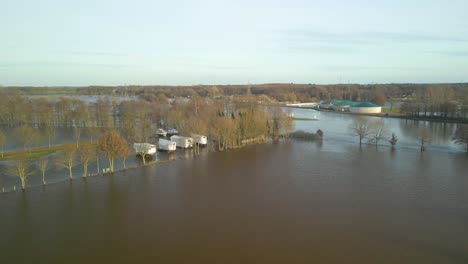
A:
289, 202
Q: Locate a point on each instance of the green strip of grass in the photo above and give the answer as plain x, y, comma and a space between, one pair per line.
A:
33, 153
304, 119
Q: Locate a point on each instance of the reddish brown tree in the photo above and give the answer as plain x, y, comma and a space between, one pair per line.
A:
112, 145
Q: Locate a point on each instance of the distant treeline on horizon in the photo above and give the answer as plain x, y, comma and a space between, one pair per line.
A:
281, 92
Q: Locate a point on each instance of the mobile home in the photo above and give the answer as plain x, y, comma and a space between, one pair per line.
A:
182, 142
200, 139
167, 145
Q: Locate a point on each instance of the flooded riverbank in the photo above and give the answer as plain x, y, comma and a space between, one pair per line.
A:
290, 202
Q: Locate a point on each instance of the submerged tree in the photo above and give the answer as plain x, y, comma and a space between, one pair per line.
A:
125, 153
378, 131
319, 133
424, 137
112, 145
279, 123
67, 159
26, 135
20, 168
77, 135
87, 153
393, 140
43, 164
360, 127
2, 141
461, 136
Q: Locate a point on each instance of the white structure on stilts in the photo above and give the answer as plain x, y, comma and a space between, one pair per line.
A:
167, 145
182, 142
200, 139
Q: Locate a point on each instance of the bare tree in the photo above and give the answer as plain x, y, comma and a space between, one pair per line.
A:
2, 141
43, 164
87, 153
50, 132
424, 137
393, 140
67, 159
125, 153
360, 127
20, 168
461, 136
77, 135
26, 135
378, 131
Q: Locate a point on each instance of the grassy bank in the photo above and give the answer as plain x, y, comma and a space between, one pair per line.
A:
305, 119
33, 153
395, 114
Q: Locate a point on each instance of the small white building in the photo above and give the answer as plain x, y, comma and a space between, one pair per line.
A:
182, 142
167, 145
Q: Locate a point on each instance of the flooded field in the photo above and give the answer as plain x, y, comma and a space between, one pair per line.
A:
286, 202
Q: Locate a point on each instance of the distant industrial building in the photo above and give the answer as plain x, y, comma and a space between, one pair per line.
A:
350, 106
366, 108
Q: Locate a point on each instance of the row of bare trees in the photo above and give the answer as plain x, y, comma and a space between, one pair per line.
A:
110, 145
437, 102
375, 131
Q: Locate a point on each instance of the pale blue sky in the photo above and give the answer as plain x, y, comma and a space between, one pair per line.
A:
117, 42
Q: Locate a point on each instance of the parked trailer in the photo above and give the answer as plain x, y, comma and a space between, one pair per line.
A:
182, 142
200, 139
144, 148
167, 145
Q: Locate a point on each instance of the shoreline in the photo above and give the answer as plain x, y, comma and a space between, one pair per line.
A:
56, 148
387, 115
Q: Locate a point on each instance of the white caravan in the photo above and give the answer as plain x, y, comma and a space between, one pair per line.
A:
182, 142
200, 139
167, 145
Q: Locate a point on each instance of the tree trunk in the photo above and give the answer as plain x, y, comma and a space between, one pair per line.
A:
43, 178
85, 169
70, 173
23, 183
97, 163
111, 164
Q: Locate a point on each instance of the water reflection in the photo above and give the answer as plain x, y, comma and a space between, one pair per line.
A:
276, 202
336, 128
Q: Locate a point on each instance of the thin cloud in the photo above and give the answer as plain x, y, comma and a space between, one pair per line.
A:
96, 53
452, 53
372, 68
339, 42
409, 37
64, 64
213, 67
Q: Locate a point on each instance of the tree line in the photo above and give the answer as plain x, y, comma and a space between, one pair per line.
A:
376, 131
113, 126
277, 91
